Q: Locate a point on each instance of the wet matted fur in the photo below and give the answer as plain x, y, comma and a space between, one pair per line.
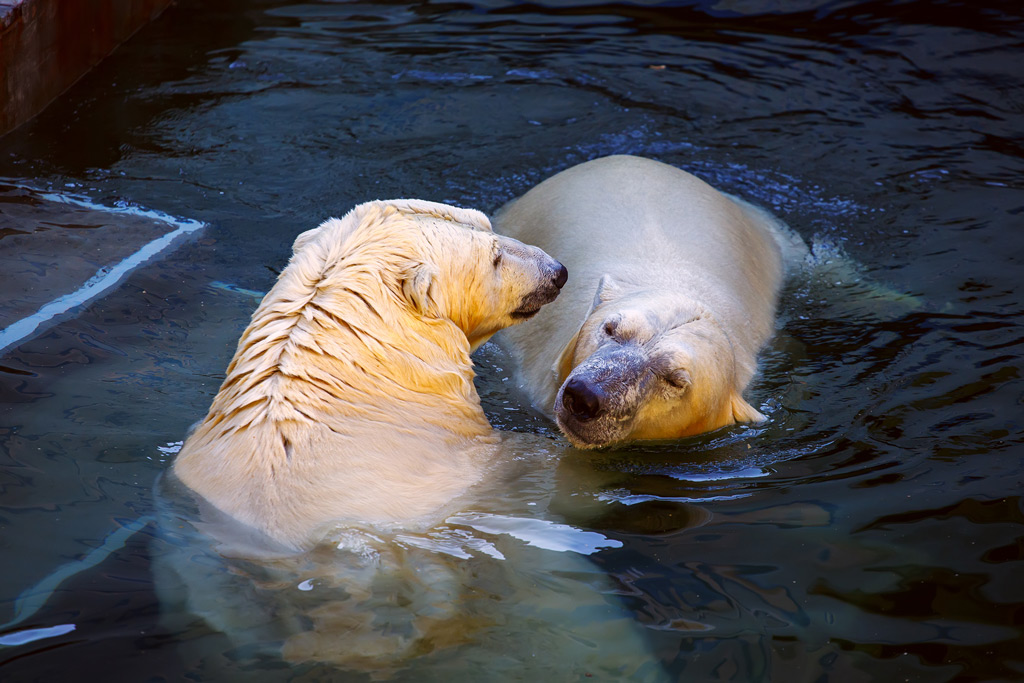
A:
350, 397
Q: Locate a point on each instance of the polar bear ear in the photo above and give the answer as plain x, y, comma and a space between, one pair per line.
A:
563, 365
335, 230
607, 290
418, 288
744, 412
305, 238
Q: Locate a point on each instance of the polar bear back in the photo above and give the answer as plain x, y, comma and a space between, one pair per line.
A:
648, 222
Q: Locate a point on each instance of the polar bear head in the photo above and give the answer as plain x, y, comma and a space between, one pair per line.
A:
439, 261
646, 365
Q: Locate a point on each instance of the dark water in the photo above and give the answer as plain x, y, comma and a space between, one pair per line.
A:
872, 530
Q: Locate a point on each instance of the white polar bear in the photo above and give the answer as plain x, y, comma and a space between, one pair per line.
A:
673, 292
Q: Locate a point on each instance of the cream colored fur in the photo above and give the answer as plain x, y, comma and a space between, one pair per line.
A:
350, 398
672, 292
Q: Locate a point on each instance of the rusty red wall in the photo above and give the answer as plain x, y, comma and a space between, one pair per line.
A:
47, 45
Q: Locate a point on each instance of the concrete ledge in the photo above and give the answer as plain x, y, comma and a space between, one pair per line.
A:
47, 45
60, 252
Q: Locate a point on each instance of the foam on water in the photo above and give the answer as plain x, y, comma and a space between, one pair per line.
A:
455, 542
537, 532
627, 498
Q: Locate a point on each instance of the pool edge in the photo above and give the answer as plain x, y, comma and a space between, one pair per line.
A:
47, 45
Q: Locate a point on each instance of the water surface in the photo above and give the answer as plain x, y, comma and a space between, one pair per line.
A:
871, 530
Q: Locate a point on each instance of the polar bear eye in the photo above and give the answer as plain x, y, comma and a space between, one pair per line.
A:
610, 326
679, 378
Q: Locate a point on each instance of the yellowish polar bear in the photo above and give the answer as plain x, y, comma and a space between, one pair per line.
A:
354, 508
673, 293
350, 398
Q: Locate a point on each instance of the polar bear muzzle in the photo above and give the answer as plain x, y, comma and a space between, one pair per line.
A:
514, 258
597, 403
545, 294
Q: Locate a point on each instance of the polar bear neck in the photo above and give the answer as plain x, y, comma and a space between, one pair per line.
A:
349, 351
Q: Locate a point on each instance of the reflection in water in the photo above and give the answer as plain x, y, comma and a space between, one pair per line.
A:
869, 531
482, 591
33, 634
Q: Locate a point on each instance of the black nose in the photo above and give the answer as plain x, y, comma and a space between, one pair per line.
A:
581, 400
561, 275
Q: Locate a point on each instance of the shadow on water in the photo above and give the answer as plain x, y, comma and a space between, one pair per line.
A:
870, 530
